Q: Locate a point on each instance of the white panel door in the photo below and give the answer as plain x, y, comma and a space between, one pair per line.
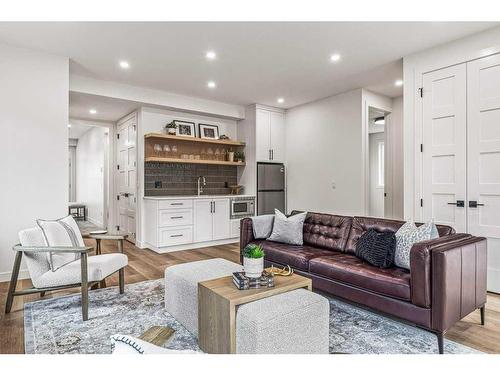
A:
484, 146
203, 220
444, 146
221, 221
277, 137
126, 176
263, 135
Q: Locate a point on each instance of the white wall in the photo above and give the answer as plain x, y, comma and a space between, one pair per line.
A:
90, 163
323, 147
376, 204
395, 164
34, 152
152, 120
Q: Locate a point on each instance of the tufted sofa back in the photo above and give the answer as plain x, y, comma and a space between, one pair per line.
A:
326, 231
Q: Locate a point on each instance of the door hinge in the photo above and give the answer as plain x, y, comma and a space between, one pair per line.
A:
118, 197
421, 202
118, 166
118, 136
421, 92
117, 227
421, 147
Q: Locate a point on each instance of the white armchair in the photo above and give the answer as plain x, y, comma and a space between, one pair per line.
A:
83, 272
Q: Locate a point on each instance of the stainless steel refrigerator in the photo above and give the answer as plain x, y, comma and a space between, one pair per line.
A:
270, 188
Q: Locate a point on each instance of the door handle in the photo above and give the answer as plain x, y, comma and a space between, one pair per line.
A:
214, 206
272, 154
458, 203
474, 204
211, 207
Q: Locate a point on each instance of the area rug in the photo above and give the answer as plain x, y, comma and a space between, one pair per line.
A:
55, 326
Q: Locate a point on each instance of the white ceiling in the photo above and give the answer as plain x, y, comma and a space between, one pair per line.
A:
257, 62
108, 109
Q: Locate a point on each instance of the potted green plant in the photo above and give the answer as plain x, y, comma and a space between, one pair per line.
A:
171, 128
239, 156
253, 260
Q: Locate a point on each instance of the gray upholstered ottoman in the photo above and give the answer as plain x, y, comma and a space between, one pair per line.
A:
296, 322
181, 287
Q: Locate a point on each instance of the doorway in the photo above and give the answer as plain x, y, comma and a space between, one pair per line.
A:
377, 141
89, 174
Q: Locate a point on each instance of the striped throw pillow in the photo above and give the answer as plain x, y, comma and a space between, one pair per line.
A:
61, 232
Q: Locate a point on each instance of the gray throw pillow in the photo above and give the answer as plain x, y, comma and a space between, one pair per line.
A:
407, 236
288, 230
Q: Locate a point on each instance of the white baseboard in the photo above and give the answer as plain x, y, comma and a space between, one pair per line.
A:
493, 280
189, 246
23, 274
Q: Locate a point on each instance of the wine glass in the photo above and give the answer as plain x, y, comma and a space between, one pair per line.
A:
157, 149
174, 151
166, 150
217, 154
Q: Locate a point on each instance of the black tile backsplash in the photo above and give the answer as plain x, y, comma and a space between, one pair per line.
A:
181, 179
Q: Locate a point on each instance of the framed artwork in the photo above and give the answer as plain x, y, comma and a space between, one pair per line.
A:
208, 131
184, 128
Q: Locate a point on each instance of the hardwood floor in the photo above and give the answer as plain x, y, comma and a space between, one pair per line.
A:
147, 265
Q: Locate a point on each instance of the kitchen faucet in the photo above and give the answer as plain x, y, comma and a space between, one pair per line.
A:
201, 182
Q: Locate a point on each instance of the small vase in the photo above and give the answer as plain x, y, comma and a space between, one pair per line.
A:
171, 131
253, 267
230, 156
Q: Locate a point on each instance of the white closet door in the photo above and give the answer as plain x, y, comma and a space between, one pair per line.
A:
484, 146
444, 146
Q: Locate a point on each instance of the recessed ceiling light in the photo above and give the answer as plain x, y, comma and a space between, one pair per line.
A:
398, 82
211, 55
92, 111
69, 125
124, 64
281, 100
335, 57
211, 84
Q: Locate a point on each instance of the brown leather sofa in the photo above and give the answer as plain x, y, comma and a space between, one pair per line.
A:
446, 281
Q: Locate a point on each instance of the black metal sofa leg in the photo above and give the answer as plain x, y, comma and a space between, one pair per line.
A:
440, 337
481, 310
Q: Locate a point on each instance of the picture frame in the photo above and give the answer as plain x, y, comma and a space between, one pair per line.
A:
207, 131
185, 129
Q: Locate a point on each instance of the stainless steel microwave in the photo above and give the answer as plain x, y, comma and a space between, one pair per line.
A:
242, 207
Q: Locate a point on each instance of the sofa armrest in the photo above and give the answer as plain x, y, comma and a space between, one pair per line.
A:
420, 267
246, 234
458, 281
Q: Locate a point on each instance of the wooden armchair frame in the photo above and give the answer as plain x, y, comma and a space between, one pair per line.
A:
85, 285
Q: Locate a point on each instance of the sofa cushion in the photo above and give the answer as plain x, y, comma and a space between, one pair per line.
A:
326, 231
346, 268
294, 256
361, 224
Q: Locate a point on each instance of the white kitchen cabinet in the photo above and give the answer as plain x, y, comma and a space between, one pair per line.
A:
203, 220
269, 135
235, 228
220, 219
211, 219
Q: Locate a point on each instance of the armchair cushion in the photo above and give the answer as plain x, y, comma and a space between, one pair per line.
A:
61, 232
99, 267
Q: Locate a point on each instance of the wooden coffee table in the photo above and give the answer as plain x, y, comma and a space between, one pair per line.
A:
217, 302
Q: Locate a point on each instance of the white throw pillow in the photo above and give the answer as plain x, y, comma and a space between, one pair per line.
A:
407, 236
288, 229
61, 232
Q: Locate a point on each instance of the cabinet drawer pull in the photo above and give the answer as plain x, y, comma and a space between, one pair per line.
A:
176, 235
177, 204
176, 217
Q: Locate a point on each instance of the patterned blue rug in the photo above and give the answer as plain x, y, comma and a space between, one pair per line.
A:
55, 326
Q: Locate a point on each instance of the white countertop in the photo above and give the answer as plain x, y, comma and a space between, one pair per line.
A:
198, 197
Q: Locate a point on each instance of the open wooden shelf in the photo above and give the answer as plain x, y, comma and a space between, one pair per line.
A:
156, 159
194, 140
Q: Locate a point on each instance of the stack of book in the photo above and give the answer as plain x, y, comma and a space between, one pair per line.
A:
243, 282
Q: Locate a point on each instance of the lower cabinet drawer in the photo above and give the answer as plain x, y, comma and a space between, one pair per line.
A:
175, 236
175, 218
